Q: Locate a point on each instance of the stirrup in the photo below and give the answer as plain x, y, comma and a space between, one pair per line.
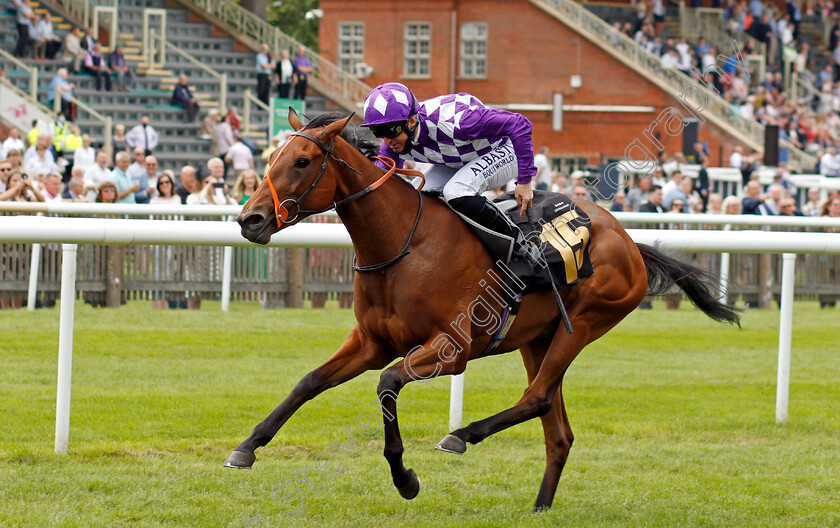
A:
529, 251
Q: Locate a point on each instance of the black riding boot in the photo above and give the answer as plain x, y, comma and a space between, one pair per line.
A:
477, 208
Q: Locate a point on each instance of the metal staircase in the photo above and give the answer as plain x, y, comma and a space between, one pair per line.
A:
714, 108
343, 88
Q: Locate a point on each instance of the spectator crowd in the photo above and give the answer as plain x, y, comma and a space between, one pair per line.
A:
667, 188
56, 162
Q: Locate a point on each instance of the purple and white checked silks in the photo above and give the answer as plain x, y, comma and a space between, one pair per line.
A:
457, 128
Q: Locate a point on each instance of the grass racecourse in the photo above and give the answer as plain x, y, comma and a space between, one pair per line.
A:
673, 415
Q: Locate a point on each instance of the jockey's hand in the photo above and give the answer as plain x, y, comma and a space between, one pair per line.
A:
524, 196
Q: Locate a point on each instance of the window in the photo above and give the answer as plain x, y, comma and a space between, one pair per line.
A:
418, 42
351, 45
474, 50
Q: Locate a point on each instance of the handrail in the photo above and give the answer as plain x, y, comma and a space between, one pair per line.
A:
223, 87
106, 120
326, 77
81, 11
805, 86
249, 98
75, 208
33, 76
671, 80
25, 96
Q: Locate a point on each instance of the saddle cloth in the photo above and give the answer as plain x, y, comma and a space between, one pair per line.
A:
558, 226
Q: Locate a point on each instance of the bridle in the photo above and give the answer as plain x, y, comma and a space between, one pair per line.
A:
281, 210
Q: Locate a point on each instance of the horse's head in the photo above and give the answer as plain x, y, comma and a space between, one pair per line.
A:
298, 183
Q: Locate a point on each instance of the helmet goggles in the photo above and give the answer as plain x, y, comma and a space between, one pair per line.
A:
389, 130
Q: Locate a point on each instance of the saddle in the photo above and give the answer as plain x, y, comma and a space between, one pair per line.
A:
557, 225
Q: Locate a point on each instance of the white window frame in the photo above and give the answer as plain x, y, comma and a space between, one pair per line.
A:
473, 50
416, 61
347, 59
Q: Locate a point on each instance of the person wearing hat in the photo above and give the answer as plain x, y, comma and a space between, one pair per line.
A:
471, 148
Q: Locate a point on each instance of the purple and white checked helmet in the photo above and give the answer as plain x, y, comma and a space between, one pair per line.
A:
389, 103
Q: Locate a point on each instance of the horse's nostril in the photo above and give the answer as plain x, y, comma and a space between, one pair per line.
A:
252, 221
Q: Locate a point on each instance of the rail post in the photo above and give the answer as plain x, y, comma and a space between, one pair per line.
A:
227, 266
109, 130
33, 83
724, 270
34, 266
785, 331
65, 348
456, 401
294, 298
223, 90
246, 109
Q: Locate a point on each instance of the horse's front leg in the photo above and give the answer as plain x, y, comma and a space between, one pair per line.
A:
440, 356
358, 354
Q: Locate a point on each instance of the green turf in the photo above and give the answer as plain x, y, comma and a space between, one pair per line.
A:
673, 414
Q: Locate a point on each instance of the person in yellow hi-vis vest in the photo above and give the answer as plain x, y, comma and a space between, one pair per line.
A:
72, 141
60, 130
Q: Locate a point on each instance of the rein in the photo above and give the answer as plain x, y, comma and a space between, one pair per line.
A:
282, 214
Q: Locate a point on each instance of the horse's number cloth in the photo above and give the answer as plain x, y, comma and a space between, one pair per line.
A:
561, 228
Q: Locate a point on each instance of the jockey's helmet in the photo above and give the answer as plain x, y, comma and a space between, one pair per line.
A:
389, 103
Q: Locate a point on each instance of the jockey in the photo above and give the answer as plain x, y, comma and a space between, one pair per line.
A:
472, 149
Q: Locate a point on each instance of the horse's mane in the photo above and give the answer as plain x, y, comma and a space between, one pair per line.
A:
358, 137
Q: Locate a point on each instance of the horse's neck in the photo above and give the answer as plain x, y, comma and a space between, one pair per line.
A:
379, 222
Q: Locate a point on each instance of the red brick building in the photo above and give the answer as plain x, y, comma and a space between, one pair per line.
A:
506, 52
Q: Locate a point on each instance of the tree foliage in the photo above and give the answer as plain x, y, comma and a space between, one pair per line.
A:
290, 17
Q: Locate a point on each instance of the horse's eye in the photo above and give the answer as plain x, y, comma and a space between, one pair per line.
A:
302, 162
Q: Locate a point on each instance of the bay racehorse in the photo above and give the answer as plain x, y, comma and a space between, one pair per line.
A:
420, 270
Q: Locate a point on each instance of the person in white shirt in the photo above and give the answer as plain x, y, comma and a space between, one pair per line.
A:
671, 59
137, 167
543, 177
239, 156
166, 190
224, 137
284, 72
143, 135
828, 163
673, 184
675, 163
84, 156
737, 158
212, 190
73, 52
12, 142
708, 60
39, 157
47, 43
813, 205
51, 189
97, 174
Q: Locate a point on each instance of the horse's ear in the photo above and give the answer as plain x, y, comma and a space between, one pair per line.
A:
294, 120
334, 129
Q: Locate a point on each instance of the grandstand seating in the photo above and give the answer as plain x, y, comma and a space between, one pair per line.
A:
178, 140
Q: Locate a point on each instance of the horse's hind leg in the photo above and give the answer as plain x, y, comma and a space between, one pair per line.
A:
539, 396
558, 443
556, 428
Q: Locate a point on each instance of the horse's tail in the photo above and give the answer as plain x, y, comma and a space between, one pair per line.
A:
664, 271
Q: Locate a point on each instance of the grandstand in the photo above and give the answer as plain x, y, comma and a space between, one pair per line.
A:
206, 47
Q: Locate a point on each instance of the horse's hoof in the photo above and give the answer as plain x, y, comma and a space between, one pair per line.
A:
452, 444
240, 460
412, 487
